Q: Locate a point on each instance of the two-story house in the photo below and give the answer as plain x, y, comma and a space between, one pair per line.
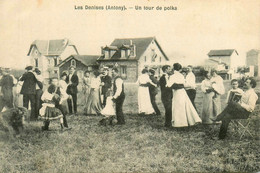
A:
131, 55
253, 60
47, 54
227, 57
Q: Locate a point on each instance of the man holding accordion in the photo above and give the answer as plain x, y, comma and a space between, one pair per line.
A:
240, 109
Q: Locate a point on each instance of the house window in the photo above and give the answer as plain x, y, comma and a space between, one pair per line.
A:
123, 53
145, 59
123, 72
132, 50
127, 52
154, 57
36, 62
73, 63
55, 61
106, 54
160, 59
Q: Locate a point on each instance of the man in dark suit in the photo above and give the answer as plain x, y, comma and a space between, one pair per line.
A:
72, 81
106, 81
118, 96
153, 91
29, 90
166, 95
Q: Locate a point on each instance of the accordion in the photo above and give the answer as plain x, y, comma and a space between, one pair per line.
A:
234, 97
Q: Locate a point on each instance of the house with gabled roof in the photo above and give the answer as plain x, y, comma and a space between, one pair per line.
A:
131, 55
47, 54
81, 62
229, 57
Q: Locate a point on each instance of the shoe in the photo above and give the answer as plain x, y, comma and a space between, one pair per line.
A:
67, 128
44, 128
168, 125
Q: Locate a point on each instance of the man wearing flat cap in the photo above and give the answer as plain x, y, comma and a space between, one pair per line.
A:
29, 90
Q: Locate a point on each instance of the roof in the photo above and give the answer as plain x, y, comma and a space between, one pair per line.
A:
253, 51
141, 45
51, 47
216, 61
223, 52
84, 59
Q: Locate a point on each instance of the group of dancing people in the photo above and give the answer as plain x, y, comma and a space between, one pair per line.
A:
104, 95
60, 97
178, 92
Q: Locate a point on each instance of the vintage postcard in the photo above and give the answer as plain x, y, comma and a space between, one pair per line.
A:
129, 86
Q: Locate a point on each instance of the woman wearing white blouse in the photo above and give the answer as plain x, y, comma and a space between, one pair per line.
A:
93, 106
183, 112
144, 101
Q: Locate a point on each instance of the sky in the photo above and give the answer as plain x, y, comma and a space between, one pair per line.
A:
186, 34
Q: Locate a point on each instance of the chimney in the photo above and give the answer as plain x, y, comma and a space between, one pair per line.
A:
131, 42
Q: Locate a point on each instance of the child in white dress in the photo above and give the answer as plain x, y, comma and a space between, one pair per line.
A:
108, 111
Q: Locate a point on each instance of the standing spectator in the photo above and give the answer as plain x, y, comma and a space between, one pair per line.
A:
207, 102
86, 86
7, 82
93, 106
190, 85
72, 81
106, 82
240, 110
218, 88
166, 95
63, 88
62, 82
29, 90
39, 92
153, 90
144, 102
119, 96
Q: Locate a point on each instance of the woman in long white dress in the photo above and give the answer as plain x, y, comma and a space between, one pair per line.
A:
144, 101
183, 112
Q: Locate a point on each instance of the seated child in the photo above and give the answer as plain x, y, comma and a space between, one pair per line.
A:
48, 111
234, 90
108, 111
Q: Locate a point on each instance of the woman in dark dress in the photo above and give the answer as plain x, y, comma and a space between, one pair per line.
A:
93, 106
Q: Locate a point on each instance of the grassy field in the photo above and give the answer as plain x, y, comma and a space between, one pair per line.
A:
142, 145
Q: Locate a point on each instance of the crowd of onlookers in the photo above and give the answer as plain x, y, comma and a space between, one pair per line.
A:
104, 95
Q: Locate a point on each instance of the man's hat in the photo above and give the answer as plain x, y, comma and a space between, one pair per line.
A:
29, 67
